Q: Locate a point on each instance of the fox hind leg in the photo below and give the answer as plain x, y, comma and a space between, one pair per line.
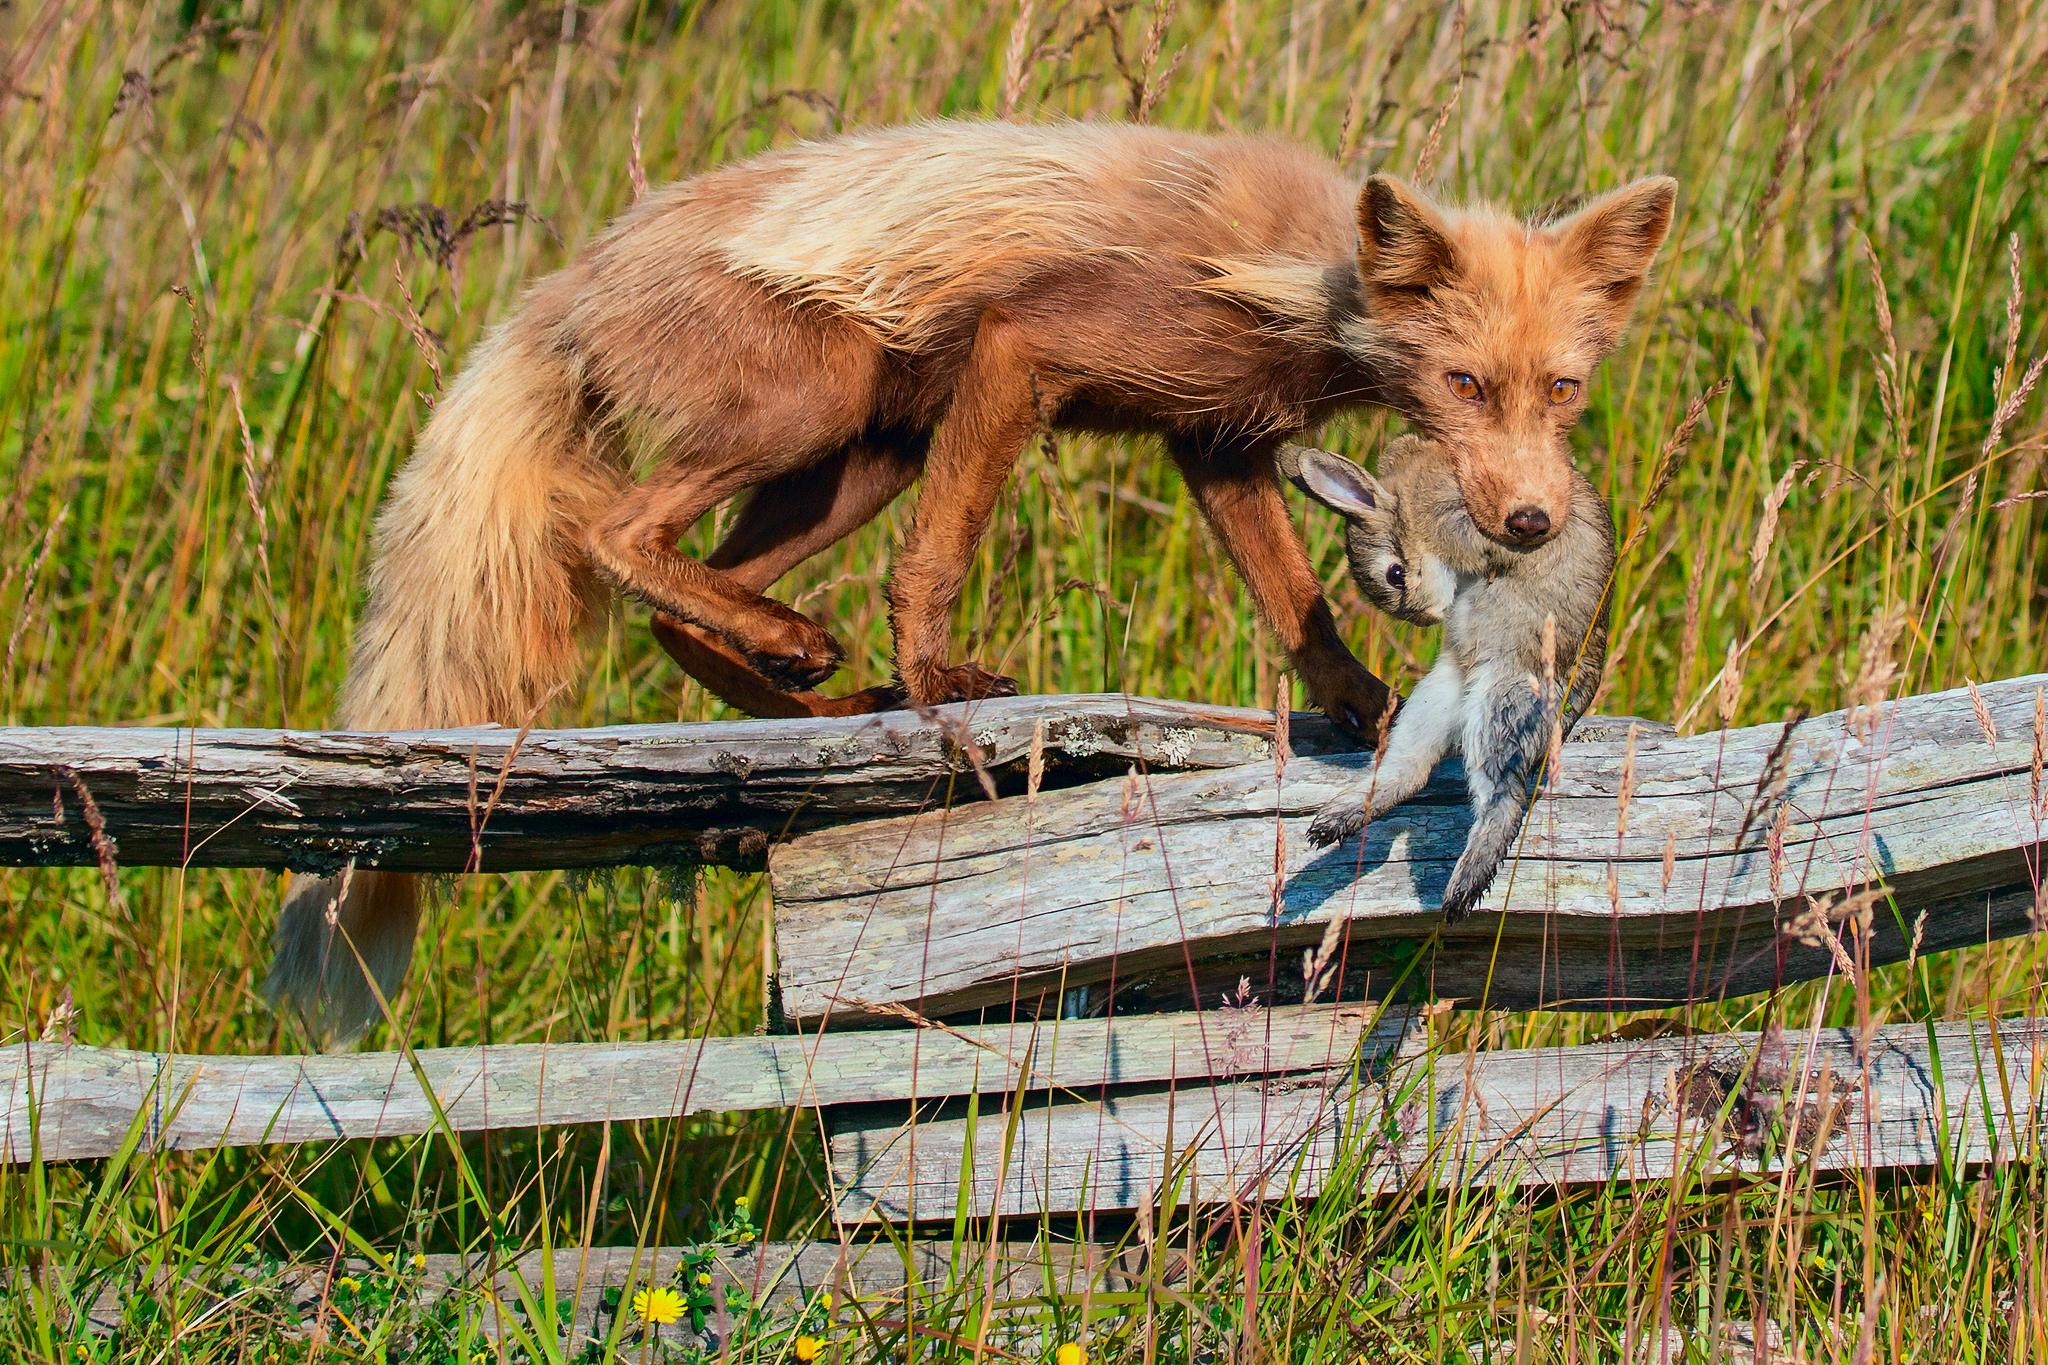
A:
784, 522
1507, 734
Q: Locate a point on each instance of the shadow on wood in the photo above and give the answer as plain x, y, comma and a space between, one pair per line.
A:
1166, 885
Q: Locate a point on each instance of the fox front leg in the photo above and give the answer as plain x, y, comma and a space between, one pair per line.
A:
1507, 734
1425, 729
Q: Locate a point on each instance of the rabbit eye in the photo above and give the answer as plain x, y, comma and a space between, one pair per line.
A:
1397, 577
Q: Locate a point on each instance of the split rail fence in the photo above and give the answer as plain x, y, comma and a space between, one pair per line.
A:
1062, 954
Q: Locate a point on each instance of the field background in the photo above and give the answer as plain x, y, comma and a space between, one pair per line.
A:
243, 244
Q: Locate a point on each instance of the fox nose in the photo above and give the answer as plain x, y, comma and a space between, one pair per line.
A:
1528, 524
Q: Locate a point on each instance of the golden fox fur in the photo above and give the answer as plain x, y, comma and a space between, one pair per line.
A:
820, 326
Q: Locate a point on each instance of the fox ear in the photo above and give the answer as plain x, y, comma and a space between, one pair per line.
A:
1338, 484
1404, 244
1609, 244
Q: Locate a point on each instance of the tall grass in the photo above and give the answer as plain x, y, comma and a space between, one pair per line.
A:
242, 245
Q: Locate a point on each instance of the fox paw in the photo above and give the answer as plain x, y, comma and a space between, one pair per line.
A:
959, 682
802, 655
1336, 822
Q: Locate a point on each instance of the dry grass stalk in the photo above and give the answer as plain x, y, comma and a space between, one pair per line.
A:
1625, 790
1689, 630
1034, 771
1425, 163
1616, 657
1888, 359
1983, 714
1730, 694
1670, 859
1815, 925
1774, 845
26, 612
1874, 674
1668, 461
2037, 804
103, 847
636, 171
1319, 964
1014, 53
1767, 524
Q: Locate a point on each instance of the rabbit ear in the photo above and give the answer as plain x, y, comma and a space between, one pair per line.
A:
1340, 485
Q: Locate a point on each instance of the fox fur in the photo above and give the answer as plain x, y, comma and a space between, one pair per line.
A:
819, 327
1524, 644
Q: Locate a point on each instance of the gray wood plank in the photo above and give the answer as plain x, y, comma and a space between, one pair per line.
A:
1632, 1110
429, 801
71, 1101
1139, 879
1016, 1275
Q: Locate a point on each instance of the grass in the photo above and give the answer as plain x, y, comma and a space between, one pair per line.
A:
240, 250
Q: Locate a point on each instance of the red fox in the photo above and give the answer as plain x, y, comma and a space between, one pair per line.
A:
820, 326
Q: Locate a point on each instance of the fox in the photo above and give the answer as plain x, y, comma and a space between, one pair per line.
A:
1524, 641
817, 328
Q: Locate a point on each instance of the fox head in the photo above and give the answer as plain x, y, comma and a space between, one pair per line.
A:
1492, 328
1407, 536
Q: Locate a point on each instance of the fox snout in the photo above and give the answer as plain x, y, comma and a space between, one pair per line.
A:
1518, 501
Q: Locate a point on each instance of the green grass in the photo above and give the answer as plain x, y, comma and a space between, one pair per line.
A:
216, 229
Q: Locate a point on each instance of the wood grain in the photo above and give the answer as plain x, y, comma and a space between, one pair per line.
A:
70, 1101
430, 801
1143, 882
1620, 1111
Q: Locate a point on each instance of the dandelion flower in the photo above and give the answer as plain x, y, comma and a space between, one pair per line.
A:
809, 1349
658, 1305
1070, 1353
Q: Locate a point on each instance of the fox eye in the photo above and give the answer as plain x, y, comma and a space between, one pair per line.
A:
1464, 386
1563, 390
1397, 577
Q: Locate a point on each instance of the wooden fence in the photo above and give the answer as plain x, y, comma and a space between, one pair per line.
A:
951, 886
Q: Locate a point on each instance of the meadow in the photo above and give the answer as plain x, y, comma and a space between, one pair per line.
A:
244, 244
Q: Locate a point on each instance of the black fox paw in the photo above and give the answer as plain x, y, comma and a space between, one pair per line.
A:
1335, 823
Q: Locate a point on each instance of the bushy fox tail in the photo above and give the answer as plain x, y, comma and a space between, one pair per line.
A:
479, 594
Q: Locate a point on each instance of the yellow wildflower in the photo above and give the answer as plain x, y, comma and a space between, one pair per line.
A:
419, 1261
742, 1203
809, 1348
1070, 1353
658, 1305
703, 1277
348, 1282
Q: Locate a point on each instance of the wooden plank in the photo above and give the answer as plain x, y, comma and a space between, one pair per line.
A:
1138, 880
1626, 1110
76, 1101
431, 801
781, 1275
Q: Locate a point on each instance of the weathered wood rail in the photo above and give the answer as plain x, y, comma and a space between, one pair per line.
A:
1161, 857
1931, 1095
65, 1101
494, 799
1143, 882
